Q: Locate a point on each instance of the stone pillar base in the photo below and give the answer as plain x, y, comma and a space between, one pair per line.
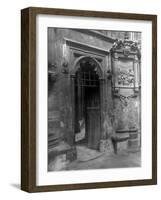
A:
71, 155
60, 156
106, 146
120, 143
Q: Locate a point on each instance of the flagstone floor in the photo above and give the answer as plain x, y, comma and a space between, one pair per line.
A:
91, 159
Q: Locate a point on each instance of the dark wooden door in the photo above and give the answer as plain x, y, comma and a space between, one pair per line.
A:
93, 127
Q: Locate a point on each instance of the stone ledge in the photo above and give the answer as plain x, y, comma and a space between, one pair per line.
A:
126, 131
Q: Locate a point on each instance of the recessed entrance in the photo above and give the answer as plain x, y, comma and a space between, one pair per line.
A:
87, 104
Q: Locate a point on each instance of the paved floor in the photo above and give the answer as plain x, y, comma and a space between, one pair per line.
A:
104, 161
92, 159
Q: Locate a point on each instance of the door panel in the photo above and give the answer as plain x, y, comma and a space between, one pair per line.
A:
93, 127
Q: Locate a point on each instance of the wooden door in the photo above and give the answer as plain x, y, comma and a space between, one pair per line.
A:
93, 127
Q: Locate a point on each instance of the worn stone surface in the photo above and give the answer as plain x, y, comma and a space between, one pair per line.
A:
123, 160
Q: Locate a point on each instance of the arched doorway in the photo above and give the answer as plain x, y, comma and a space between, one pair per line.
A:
87, 100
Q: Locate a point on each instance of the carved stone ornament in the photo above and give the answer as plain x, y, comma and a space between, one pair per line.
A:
126, 78
65, 68
52, 71
125, 99
126, 46
109, 74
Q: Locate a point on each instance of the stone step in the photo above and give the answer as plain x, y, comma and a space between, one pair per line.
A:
53, 140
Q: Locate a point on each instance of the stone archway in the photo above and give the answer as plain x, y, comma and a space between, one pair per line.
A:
87, 102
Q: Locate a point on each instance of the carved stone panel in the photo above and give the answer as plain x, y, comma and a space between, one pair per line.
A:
124, 74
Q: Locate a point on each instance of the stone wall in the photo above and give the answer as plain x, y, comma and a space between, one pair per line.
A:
59, 98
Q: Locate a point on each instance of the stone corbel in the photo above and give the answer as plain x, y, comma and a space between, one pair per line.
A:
109, 74
116, 91
115, 56
65, 67
53, 71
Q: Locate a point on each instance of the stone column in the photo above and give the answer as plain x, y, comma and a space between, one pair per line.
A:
136, 73
73, 105
72, 153
114, 67
102, 104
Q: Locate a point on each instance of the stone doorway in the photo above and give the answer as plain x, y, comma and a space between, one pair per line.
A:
87, 104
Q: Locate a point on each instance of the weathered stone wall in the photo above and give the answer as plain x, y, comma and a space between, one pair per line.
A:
59, 96
127, 116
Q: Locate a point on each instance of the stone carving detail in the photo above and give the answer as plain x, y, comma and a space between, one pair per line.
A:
52, 71
125, 77
65, 67
125, 99
109, 74
126, 46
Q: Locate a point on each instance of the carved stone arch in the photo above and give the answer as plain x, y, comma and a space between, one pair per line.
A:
78, 60
75, 68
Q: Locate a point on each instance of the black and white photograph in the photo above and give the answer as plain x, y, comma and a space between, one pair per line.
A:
94, 99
